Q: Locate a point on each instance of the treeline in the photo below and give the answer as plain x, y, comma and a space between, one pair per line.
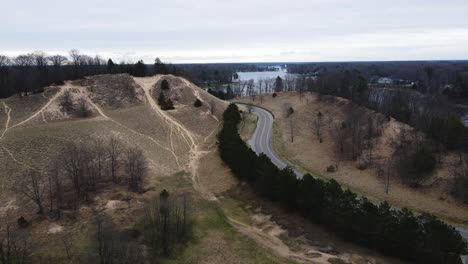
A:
428, 76
394, 232
30, 73
432, 114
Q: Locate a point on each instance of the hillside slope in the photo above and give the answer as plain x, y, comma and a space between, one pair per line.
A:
306, 152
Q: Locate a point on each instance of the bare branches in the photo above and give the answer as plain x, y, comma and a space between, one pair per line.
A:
113, 152
33, 188
135, 167
318, 124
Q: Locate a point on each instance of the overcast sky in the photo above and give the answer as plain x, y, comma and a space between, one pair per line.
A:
239, 31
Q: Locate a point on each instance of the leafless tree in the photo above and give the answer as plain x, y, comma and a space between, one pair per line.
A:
99, 157
55, 189
75, 161
135, 167
14, 248
291, 127
4, 61
250, 88
113, 153
67, 245
460, 171
33, 188
318, 124
57, 60
212, 105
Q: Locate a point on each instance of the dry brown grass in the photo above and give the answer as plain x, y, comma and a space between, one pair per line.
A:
308, 154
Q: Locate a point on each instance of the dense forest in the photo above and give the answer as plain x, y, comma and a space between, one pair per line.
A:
392, 231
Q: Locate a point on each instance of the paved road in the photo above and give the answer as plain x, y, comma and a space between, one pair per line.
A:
261, 142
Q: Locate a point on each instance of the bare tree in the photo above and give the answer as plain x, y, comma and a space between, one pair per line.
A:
55, 189
74, 162
291, 127
212, 105
460, 171
4, 61
33, 188
57, 62
99, 153
135, 167
113, 153
318, 123
14, 249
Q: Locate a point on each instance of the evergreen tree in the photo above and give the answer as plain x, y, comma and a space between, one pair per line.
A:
278, 84
165, 85
139, 69
110, 66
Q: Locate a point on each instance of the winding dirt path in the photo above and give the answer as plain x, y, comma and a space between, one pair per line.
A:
197, 94
85, 94
7, 112
57, 95
195, 152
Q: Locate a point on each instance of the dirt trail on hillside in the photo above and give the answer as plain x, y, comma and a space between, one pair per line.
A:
195, 153
197, 94
7, 112
57, 95
85, 94
275, 244
267, 240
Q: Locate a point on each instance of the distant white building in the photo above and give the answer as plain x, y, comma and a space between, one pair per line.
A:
384, 80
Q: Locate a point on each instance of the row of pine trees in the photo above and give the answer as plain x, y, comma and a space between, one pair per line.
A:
394, 232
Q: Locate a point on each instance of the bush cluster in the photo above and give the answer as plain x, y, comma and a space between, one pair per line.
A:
165, 104
197, 103
395, 232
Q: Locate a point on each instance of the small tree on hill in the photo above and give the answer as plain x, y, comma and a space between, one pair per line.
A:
161, 99
197, 103
165, 85
278, 84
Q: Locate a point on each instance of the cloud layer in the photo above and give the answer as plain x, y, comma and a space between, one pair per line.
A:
239, 31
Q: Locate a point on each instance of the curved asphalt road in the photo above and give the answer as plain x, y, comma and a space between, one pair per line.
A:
261, 142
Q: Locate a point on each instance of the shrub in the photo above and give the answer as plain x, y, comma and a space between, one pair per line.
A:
331, 168
197, 103
165, 85
290, 112
274, 95
423, 161
82, 109
22, 222
163, 103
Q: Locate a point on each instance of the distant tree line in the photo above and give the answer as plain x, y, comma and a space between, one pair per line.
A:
30, 73
394, 232
432, 114
428, 76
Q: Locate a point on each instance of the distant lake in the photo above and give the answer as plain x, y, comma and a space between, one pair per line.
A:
245, 76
